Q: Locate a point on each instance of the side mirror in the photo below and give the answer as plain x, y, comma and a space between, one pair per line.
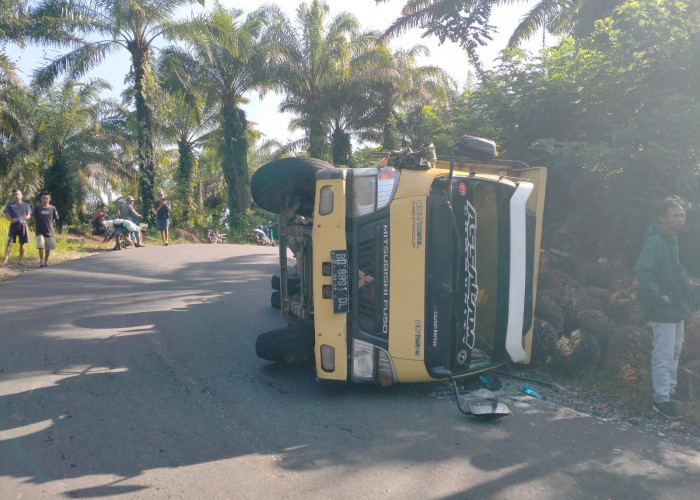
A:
486, 409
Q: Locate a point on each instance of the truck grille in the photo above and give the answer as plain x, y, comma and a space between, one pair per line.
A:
366, 271
371, 268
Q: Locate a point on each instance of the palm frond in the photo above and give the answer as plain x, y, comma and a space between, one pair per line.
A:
542, 14
75, 64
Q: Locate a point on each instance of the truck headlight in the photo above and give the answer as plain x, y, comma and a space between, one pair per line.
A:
373, 189
362, 360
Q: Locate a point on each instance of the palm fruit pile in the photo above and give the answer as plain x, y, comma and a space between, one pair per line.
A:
588, 320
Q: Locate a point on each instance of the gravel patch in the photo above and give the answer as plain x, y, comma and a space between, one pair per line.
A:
509, 386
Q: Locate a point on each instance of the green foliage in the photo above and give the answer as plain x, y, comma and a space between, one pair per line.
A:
226, 63
395, 86
612, 111
77, 138
132, 25
463, 22
614, 116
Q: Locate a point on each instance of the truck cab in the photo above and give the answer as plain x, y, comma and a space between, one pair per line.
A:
408, 269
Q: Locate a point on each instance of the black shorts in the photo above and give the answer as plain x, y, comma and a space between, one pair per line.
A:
18, 230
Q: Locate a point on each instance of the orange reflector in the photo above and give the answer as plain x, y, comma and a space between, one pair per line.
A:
386, 173
385, 373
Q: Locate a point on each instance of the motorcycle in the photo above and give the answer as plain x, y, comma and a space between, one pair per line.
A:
263, 235
122, 230
215, 237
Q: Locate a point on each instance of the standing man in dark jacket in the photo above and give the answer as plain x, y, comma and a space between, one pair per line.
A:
666, 297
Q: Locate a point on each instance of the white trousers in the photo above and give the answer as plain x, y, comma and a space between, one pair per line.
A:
668, 342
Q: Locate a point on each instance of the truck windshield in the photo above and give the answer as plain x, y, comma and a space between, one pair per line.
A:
468, 274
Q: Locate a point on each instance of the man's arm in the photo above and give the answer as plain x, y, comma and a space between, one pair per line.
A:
163, 203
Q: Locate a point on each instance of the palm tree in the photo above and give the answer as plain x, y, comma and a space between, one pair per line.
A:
128, 24
13, 18
186, 123
16, 110
266, 150
393, 84
226, 62
77, 137
349, 102
309, 61
14, 103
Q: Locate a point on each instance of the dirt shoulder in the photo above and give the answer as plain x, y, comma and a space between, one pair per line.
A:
71, 247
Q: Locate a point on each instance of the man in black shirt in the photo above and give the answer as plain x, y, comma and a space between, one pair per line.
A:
45, 216
162, 208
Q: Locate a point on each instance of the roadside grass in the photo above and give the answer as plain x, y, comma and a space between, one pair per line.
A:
71, 245
68, 247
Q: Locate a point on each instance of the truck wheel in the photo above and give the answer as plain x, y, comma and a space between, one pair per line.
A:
276, 299
290, 344
287, 181
293, 283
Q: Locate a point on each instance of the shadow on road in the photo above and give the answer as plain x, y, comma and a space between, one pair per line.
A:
114, 367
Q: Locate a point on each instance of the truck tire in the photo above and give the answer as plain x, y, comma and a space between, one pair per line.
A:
289, 344
293, 283
285, 182
476, 148
276, 299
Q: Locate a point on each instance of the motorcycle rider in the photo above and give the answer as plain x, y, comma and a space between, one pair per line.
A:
128, 212
263, 234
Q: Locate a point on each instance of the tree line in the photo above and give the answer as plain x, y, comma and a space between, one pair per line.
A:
612, 109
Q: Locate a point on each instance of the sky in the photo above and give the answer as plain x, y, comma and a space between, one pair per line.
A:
264, 112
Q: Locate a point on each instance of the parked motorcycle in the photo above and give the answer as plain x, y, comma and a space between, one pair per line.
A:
263, 235
216, 237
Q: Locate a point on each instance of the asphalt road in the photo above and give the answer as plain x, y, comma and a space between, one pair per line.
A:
133, 375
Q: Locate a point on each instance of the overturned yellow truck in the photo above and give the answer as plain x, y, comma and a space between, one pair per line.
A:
416, 269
